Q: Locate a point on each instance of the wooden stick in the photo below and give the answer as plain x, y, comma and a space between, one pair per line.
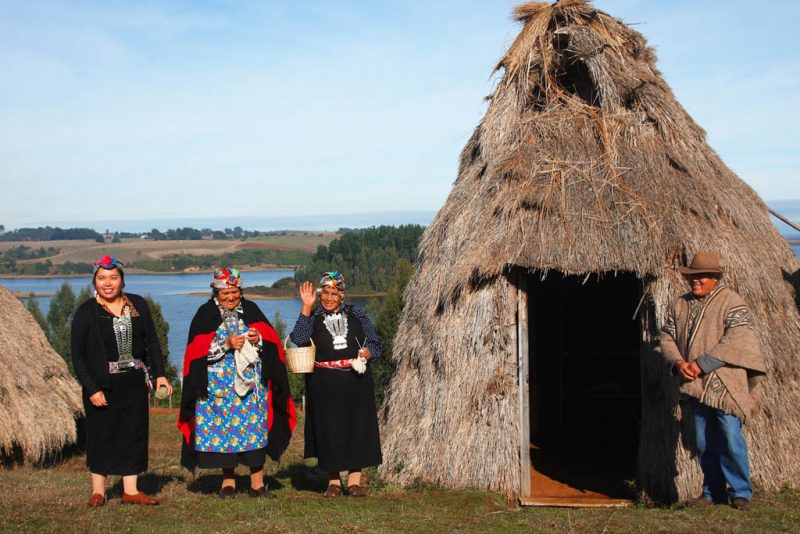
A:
784, 219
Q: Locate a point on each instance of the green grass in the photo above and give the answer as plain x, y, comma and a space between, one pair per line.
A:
52, 499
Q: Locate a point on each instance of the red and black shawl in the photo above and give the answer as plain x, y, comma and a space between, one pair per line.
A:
281, 414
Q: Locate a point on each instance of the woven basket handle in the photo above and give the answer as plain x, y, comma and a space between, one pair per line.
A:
286, 340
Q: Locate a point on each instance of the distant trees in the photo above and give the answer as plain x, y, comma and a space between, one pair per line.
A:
367, 258
386, 324
23, 252
36, 311
59, 319
162, 331
48, 233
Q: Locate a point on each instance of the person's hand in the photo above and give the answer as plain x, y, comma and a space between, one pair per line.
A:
235, 342
695, 369
98, 399
365, 353
253, 336
162, 381
309, 296
685, 370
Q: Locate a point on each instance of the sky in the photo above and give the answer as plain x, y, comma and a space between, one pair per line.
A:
192, 109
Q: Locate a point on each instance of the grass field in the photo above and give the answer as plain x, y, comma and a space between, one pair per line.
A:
52, 500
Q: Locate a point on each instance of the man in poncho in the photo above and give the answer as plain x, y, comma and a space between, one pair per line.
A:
710, 341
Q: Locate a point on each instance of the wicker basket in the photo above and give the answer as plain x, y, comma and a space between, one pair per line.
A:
300, 359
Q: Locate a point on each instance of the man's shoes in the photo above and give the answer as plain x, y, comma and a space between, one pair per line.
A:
96, 500
139, 498
227, 492
699, 502
740, 503
261, 492
333, 491
357, 491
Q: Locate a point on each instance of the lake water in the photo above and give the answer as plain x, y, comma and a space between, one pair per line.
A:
170, 291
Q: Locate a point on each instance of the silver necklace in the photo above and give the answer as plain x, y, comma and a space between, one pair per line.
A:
336, 323
123, 332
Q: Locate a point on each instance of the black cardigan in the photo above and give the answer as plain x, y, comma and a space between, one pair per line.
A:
88, 351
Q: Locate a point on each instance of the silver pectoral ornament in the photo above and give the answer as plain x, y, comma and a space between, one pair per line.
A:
336, 324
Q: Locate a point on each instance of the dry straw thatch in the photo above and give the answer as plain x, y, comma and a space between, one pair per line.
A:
583, 163
39, 399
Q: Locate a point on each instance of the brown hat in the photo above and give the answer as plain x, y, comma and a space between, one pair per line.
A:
703, 262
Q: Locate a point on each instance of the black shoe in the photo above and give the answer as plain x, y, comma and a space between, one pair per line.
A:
740, 503
261, 492
699, 502
227, 492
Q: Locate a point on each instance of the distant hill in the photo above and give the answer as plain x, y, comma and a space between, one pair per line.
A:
317, 223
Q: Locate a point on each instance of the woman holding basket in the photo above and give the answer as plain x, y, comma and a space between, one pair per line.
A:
341, 426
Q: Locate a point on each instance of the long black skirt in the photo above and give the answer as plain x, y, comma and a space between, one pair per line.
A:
341, 427
116, 435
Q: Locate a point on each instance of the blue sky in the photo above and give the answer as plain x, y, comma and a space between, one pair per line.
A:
127, 110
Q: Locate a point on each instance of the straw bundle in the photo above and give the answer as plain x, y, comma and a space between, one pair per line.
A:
39, 400
583, 163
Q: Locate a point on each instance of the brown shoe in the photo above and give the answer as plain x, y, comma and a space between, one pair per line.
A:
740, 503
96, 500
261, 492
139, 498
333, 491
227, 492
357, 491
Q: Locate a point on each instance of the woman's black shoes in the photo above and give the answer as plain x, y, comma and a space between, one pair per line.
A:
262, 492
227, 492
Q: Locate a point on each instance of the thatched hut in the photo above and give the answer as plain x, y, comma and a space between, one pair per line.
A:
527, 346
39, 399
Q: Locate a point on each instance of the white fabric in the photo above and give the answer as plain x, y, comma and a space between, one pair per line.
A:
244, 358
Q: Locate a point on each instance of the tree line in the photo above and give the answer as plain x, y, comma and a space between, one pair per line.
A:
187, 233
368, 258
49, 233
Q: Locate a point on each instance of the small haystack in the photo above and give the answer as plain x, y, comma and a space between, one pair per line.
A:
39, 400
584, 167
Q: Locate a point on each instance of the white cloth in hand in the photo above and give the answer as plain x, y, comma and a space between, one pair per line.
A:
245, 357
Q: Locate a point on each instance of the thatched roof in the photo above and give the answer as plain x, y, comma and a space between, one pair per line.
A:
39, 399
584, 162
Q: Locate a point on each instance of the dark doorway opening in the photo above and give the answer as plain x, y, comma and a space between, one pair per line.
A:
585, 387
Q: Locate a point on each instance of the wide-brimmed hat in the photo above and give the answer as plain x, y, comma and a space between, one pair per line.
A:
703, 262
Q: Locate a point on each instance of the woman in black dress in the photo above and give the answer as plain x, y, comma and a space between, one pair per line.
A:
114, 350
341, 426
